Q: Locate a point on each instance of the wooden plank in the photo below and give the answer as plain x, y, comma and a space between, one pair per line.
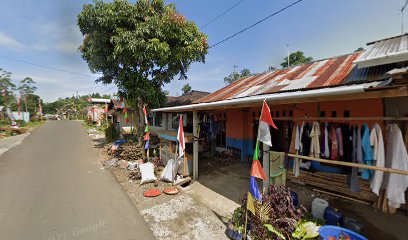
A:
341, 196
350, 164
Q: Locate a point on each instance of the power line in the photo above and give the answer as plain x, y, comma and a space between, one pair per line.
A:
253, 25
45, 66
222, 14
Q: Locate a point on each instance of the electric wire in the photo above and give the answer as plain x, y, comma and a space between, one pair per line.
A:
222, 14
253, 25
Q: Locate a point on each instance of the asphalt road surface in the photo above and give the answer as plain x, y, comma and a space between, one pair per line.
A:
52, 187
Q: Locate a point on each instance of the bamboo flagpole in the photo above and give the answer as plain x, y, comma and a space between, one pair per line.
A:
350, 164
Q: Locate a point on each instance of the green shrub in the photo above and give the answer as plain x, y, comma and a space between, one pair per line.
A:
111, 133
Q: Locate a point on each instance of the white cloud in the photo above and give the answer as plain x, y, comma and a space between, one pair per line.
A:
9, 42
67, 47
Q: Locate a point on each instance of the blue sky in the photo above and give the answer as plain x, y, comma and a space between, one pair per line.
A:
45, 32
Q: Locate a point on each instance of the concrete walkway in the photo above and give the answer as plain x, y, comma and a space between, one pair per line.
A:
52, 187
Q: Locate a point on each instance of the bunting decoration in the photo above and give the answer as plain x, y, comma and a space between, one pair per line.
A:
126, 115
264, 134
257, 171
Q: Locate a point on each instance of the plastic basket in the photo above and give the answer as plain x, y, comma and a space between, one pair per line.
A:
333, 231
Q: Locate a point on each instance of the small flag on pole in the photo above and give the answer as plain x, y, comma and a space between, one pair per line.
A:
180, 137
145, 114
4, 92
126, 115
253, 194
264, 135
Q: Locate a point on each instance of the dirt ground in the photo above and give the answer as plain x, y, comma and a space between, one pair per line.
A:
178, 216
187, 215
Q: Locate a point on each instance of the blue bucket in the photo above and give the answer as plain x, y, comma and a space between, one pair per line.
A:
333, 231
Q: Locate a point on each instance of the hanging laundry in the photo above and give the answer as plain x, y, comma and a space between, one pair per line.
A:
292, 148
377, 143
306, 140
296, 134
367, 151
397, 155
353, 177
315, 138
334, 145
300, 139
325, 141
359, 149
339, 138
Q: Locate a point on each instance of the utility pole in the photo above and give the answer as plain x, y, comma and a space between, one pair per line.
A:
287, 46
402, 16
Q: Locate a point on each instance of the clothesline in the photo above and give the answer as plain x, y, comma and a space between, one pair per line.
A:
350, 164
343, 118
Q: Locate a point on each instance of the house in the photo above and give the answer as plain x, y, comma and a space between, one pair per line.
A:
368, 86
160, 121
96, 109
116, 111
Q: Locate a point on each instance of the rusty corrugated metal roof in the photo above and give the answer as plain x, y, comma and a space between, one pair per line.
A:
323, 73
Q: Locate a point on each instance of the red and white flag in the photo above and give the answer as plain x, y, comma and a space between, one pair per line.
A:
145, 114
4, 92
264, 135
180, 137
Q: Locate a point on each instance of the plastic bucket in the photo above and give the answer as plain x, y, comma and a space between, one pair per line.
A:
319, 207
333, 231
333, 217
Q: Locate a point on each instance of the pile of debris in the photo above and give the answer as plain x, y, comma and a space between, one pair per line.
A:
128, 151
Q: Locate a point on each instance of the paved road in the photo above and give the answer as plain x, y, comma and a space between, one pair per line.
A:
52, 187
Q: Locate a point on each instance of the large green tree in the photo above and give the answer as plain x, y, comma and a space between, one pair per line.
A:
235, 75
296, 58
140, 47
6, 85
26, 88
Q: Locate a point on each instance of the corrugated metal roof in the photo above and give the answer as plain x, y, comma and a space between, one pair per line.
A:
385, 51
323, 73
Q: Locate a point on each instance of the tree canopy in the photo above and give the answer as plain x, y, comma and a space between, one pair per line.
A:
140, 47
237, 75
186, 89
296, 58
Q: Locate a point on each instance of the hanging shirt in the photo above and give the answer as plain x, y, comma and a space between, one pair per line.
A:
334, 145
306, 140
300, 139
325, 142
353, 176
367, 151
339, 137
292, 148
397, 154
377, 143
359, 149
315, 138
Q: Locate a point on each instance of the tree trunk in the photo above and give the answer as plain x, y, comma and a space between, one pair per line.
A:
25, 103
141, 124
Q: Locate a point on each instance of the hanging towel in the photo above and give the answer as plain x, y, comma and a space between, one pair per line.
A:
315, 138
300, 139
397, 154
377, 142
367, 151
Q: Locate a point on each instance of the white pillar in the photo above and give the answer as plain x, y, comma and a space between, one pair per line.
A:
265, 164
195, 146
